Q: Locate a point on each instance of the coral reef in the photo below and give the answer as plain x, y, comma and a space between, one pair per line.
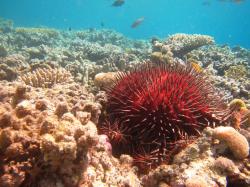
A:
3, 51
181, 44
176, 46
42, 143
237, 72
11, 66
197, 165
46, 78
48, 134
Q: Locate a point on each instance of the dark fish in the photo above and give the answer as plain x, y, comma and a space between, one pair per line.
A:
206, 3
137, 22
118, 3
102, 24
237, 1
70, 29
232, 1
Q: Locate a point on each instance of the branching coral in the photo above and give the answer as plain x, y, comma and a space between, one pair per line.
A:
46, 78
237, 72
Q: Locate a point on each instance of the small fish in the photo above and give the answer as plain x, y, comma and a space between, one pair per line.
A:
102, 24
117, 3
70, 29
137, 22
206, 3
237, 1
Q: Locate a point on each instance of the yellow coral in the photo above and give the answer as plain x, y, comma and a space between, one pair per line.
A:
49, 32
237, 104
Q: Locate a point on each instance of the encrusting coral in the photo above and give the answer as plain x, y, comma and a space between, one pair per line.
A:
46, 77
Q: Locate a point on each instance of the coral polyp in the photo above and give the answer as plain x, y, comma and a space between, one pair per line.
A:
161, 109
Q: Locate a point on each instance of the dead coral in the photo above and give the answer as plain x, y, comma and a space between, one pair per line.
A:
46, 78
196, 181
226, 165
27, 136
42, 144
11, 66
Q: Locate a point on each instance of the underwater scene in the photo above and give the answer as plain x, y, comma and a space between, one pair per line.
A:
125, 93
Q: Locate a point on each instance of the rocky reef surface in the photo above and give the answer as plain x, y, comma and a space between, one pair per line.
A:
52, 97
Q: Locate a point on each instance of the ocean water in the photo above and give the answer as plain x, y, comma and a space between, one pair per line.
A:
228, 21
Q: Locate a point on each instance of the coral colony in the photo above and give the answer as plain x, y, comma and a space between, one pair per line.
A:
154, 111
93, 108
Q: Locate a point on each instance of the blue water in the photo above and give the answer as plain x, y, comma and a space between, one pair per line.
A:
228, 22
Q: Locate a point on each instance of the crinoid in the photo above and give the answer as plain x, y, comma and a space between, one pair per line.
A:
160, 109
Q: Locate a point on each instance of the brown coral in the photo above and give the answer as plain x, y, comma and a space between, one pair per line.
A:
46, 77
11, 66
43, 144
236, 142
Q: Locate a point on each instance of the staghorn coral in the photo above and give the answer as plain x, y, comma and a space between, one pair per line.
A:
46, 78
236, 142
